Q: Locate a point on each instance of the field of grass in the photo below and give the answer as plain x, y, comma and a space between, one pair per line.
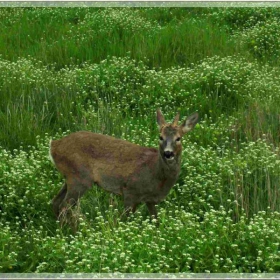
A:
107, 70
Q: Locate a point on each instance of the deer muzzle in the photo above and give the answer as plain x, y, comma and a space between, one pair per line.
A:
168, 155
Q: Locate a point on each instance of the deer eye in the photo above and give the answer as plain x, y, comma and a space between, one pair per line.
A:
178, 139
160, 138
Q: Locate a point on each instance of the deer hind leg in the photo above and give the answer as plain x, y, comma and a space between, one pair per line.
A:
75, 190
58, 199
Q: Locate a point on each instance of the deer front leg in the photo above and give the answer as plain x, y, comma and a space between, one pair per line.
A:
130, 204
130, 208
152, 209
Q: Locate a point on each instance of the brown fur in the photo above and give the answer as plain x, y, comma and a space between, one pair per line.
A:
139, 174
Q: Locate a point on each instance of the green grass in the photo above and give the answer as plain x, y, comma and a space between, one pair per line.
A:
74, 35
107, 70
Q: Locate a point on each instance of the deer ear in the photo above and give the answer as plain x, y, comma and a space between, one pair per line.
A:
176, 119
160, 118
190, 123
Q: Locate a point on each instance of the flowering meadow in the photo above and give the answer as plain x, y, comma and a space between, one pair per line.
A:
107, 70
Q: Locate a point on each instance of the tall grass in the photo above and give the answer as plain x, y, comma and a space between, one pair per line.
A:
74, 35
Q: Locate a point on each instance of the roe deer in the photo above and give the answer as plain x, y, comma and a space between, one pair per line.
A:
139, 174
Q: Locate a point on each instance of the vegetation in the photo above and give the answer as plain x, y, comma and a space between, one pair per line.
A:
107, 70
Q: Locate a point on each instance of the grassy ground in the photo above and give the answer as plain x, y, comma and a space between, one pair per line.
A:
107, 70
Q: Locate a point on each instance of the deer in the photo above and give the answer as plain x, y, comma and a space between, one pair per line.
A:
139, 174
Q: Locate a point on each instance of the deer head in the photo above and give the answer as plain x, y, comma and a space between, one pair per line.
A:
170, 146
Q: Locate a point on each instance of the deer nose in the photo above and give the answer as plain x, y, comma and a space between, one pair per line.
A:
168, 154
